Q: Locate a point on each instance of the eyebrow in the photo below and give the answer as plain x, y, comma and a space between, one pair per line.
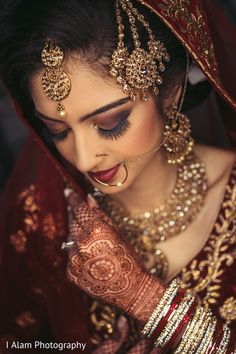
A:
89, 115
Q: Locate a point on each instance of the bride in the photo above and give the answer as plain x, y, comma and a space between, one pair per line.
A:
118, 226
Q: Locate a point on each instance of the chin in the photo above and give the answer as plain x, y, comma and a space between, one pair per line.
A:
110, 189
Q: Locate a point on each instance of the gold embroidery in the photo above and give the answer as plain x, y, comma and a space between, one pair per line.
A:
228, 309
220, 253
52, 229
211, 73
53, 226
192, 23
19, 241
29, 199
49, 226
25, 319
103, 319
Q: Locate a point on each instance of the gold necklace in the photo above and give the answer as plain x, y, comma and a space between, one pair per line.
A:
145, 231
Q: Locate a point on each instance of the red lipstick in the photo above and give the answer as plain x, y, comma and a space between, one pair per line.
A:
104, 175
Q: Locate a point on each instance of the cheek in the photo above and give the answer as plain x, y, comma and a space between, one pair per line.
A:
66, 150
144, 134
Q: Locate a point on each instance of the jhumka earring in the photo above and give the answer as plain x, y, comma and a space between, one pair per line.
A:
177, 132
56, 83
139, 71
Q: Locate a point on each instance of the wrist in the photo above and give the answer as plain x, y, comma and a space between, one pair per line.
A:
147, 294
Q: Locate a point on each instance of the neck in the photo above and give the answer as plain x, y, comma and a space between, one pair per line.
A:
152, 186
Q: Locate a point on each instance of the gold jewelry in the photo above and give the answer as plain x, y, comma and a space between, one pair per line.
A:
175, 320
225, 340
208, 335
177, 139
199, 334
139, 71
125, 161
162, 307
191, 335
56, 84
118, 184
143, 232
147, 155
177, 132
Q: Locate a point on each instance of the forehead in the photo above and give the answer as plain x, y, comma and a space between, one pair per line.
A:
89, 90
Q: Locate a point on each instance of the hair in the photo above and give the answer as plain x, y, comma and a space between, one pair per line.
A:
83, 27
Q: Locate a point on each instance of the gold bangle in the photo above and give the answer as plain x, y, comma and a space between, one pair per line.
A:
225, 340
187, 336
199, 331
164, 311
207, 337
161, 309
175, 320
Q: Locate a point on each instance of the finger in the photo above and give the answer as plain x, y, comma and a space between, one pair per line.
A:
74, 200
97, 211
112, 345
91, 201
142, 347
101, 215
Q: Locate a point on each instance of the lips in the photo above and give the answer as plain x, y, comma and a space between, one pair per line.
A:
105, 175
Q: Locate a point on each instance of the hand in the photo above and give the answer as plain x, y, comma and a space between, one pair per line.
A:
103, 266
111, 346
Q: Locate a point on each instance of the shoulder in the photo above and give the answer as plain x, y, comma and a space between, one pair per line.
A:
218, 162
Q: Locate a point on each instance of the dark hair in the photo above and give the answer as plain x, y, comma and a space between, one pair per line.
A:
86, 27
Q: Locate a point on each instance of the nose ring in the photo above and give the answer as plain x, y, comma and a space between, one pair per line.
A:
118, 184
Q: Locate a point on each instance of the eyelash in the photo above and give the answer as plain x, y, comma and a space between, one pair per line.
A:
51, 138
118, 131
109, 134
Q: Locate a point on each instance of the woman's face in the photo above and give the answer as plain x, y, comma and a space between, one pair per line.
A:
102, 128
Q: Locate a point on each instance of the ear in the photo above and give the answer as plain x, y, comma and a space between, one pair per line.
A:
173, 98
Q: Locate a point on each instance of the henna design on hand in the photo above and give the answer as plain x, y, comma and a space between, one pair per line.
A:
102, 265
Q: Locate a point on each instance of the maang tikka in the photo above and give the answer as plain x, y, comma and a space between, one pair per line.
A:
56, 83
139, 71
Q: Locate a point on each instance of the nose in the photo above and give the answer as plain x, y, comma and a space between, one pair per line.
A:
85, 153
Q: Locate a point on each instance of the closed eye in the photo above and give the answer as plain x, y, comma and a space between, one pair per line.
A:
114, 128
110, 129
51, 137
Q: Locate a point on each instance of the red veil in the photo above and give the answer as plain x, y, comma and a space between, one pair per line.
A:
37, 300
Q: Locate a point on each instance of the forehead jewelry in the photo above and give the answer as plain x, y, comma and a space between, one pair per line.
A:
139, 71
56, 83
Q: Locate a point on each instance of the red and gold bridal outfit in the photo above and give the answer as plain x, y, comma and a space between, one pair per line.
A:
37, 300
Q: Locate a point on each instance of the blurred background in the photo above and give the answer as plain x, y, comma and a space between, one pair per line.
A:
12, 135
12, 132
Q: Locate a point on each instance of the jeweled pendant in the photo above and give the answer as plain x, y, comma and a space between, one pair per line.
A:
61, 111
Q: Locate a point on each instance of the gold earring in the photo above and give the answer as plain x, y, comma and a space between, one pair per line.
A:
177, 136
56, 83
139, 71
177, 132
